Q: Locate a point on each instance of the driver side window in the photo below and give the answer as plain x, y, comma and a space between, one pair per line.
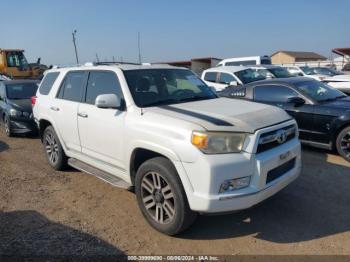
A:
273, 93
226, 78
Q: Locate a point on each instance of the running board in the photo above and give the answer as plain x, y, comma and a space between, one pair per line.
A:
111, 179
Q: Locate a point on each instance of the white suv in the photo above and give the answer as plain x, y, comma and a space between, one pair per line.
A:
162, 132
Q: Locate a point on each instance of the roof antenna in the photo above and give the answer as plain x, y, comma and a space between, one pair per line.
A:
139, 46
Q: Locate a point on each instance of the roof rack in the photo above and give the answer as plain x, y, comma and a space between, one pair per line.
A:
116, 63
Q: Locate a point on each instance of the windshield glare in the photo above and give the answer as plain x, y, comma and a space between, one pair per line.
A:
21, 91
152, 87
307, 70
318, 91
249, 75
280, 72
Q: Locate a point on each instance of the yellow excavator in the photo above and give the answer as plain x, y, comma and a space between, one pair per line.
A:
14, 64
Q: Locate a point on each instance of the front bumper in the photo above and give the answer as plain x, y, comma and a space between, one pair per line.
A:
207, 174
23, 126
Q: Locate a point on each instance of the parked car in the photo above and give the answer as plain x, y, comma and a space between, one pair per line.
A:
305, 71
15, 106
246, 61
221, 77
326, 71
161, 130
322, 112
346, 67
340, 82
272, 71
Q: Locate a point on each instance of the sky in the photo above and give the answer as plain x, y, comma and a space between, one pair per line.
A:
171, 30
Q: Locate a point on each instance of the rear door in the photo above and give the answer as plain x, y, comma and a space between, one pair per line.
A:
101, 129
64, 108
278, 95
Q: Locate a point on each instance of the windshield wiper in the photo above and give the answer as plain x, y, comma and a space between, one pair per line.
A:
161, 102
194, 98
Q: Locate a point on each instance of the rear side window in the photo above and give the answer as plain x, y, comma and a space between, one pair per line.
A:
210, 76
102, 83
47, 83
72, 87
273, 93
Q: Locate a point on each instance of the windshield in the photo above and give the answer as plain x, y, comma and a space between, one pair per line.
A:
265, 73
280, 72
17, 59
21, 90
327, 71
249, 75
307, 70
318, 91
152, 87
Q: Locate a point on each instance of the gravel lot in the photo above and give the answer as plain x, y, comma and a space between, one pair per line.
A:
43, 212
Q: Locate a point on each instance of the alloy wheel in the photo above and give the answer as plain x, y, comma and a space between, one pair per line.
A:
158, 198
7, 126
345, 144
51, 147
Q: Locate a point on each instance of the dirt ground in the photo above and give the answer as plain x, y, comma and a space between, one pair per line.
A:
43, 212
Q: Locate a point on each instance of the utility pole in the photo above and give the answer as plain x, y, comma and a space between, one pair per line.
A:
75, 45
97, 59
139, 46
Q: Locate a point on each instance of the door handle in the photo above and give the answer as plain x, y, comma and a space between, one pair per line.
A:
81, 114
54, 108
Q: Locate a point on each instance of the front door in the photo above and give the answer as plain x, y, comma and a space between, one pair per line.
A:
102, 130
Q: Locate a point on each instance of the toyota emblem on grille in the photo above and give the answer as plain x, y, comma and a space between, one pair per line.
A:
281, 136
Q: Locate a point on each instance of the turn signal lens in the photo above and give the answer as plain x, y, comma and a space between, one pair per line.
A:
199, 140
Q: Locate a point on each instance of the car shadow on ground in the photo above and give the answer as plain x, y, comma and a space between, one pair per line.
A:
315, 205
30, 235
3, 146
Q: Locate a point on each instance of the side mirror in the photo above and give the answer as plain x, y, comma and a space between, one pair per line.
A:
233, 83
297, 101
108, 101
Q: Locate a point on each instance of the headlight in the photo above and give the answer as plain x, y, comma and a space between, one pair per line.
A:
218, 142
14, 112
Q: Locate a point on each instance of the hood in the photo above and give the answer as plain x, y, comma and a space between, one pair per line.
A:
225, 114
345, 78
24, 105
343, 103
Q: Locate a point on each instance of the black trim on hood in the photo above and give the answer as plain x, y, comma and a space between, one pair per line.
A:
210, 119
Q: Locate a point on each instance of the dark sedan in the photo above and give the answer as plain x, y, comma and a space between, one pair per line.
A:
15, 106
322, 112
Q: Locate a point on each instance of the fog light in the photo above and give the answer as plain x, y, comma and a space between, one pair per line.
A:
234, 184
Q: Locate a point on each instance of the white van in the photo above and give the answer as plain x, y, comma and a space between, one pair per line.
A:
246, 61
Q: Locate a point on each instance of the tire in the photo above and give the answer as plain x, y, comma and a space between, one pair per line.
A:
343, 143
161, 197
7, 126
53, 149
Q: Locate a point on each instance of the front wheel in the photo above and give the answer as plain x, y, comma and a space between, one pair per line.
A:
53, 149
161, 197
343, 143
7, 125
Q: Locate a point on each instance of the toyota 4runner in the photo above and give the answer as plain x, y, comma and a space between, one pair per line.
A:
162, 132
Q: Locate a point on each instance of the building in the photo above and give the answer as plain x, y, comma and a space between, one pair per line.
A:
197, 65
288, 57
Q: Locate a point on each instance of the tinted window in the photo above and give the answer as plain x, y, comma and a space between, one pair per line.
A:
102, 83
226, 78
2, 91
249, 75
72, 88
280, 72
241, 63
210, 76
318, 91
21, 90
48, 82
273, 93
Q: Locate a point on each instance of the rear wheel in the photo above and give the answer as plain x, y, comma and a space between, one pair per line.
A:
343, 143
53, 148
7, 126
161, 197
